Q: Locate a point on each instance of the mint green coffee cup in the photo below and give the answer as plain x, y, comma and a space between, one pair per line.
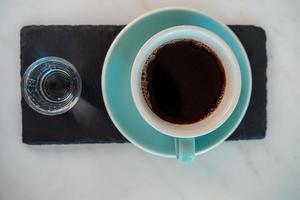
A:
122, 99
185, 134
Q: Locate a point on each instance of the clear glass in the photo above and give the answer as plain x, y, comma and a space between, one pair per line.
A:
51, 86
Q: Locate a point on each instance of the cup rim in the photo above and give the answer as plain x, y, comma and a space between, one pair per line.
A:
201, 127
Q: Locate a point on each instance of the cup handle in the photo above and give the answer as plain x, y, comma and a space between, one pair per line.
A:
185, 149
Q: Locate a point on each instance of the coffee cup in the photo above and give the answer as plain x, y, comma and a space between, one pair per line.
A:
185, 134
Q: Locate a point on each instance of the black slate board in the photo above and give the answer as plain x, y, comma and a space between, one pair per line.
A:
86, 47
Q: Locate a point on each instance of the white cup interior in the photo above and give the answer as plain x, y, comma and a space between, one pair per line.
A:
232, 89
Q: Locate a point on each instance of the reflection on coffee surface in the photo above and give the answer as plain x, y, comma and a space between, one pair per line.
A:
183, 81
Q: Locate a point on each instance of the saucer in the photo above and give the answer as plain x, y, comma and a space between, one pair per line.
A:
117, 71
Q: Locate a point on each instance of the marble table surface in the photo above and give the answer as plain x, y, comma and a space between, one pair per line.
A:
257, 169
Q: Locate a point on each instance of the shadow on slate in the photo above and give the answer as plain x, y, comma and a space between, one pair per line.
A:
86, 47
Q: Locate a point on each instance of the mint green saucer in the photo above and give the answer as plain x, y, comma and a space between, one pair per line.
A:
116, 80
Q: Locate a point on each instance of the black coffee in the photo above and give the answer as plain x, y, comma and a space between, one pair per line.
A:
183, 81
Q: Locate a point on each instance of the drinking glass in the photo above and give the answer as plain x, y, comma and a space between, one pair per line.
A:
51, 85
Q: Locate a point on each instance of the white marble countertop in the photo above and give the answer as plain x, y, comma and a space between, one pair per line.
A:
261, 169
